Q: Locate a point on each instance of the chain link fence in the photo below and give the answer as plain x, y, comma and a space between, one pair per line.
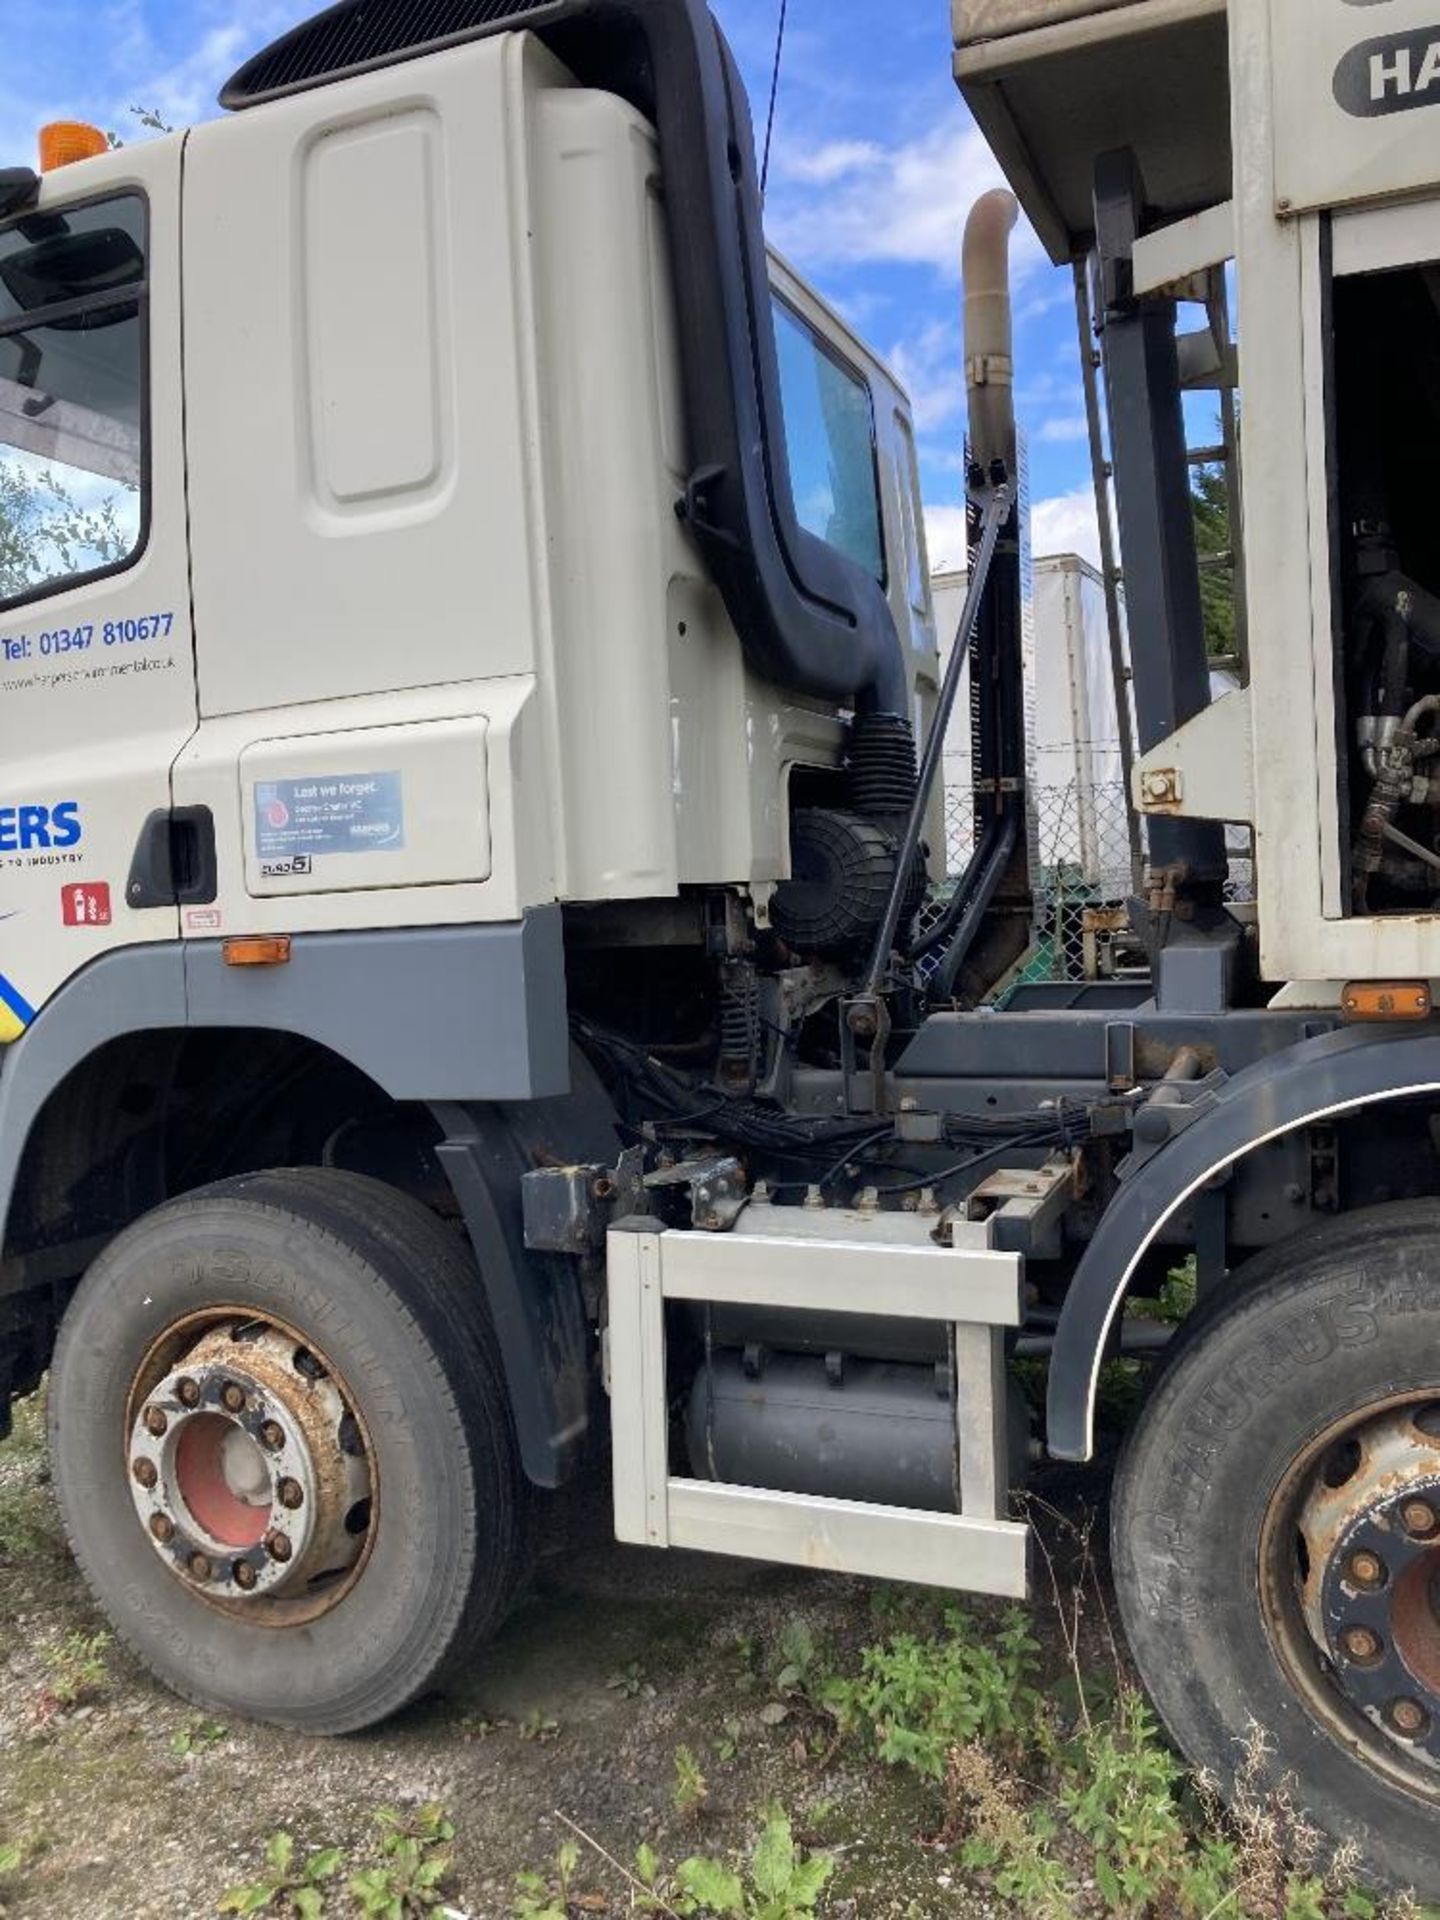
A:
1081, 876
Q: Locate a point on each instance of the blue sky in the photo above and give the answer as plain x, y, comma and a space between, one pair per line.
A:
874, 165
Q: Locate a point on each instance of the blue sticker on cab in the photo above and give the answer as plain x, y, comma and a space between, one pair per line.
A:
336, 813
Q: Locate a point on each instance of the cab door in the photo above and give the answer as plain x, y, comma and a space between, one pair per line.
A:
97, 681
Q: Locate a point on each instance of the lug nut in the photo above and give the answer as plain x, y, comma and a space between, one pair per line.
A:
1408, 1718
144, 1471
163, 1527
156, 1421
200, 1566
1418, 1517
277, 1545
187, 1391
1361, 1645
232, 1397
244, 1575
292, 1494
273, 1434
1366, 1570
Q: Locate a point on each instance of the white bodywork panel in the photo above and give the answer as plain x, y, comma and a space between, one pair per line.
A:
453, 654
463, 376
1347, 82
91, 713
1305, 930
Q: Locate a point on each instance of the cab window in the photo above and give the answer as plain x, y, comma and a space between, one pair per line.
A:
72, 395
830, 439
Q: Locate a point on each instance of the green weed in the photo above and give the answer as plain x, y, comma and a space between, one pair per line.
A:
287, 1884
691, 1788
413, 1866
74, 1669
915, 1699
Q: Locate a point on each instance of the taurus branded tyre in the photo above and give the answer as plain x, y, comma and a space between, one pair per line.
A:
1276, 1534
283, 1450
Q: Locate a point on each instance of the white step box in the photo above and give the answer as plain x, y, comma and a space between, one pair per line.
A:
836, 1263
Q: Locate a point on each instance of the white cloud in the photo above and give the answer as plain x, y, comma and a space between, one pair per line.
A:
930, 366
945, 538
1062, 524
903, 204
1066, 524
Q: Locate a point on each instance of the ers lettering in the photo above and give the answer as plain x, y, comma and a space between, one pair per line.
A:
22, 829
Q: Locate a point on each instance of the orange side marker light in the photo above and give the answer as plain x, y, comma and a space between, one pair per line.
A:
1386, 1000
257, 950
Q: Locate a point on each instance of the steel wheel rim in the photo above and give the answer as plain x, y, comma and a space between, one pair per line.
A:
1350, 1587
250, 1467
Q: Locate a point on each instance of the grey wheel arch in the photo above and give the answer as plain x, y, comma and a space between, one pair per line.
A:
1335, 1074
471, 1022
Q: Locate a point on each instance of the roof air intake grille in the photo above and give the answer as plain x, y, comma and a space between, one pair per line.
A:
358, 35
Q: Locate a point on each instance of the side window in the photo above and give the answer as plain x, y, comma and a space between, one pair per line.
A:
912, 518
72, 395
830, 438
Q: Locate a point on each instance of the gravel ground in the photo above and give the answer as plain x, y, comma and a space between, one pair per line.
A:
616, 1658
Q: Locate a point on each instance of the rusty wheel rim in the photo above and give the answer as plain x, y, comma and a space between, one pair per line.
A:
250, 1468
1350, 1585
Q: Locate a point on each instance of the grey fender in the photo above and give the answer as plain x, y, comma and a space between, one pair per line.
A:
1316, 1080
470, 1021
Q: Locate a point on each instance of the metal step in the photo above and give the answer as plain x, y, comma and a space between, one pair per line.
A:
887, 1264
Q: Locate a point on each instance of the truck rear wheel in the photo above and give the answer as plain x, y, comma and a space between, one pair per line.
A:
283, 1450
1276, 1535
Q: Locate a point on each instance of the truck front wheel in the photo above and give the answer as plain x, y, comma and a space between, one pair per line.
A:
283, 1450
1276, 1535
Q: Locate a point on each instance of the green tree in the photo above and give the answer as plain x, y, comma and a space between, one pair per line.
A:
1210, 504
46, 533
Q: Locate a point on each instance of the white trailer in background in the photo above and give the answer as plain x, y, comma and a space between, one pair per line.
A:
1076, 768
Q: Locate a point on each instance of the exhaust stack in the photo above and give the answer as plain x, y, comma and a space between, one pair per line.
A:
989, 329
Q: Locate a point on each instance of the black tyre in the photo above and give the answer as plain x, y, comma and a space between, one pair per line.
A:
1276, 1534
283, 1448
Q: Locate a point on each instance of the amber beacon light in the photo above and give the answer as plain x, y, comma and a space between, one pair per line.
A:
63, 142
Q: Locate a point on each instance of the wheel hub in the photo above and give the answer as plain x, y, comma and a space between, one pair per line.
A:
1370, 1593
247, 1467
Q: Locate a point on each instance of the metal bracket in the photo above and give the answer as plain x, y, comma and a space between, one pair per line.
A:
1025, 1206
1158, 1122
717, 1190
568, 1209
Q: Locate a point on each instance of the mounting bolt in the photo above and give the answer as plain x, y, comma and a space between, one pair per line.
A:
1362, 1645
232, 1397
277, 1545
1366, 1570
187, 1391
273, 1434
156, 1421
292, 1494
1408, 1718
145, 1473
244, 1574
163, 1528
200, 1567
1419, 1518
